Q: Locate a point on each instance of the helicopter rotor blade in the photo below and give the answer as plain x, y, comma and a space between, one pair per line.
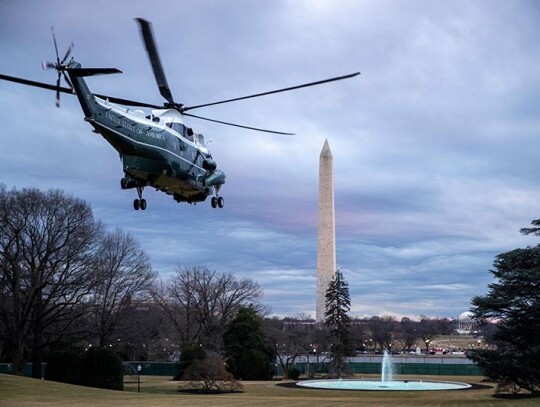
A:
61, 89
305, 85
67, 53
237, 125
66, 78
127, 102
153, 55
55, 45
47, 65
34, 83
58, 91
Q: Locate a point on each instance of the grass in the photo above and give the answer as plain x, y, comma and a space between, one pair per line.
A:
162, 392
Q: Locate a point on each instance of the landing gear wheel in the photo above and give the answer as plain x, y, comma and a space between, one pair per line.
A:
139, 203
214, 202
221, 202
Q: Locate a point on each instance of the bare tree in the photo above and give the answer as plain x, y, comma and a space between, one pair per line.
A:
428, 330
408, 333
201, 302
383, 330
47, 243
289, 339
359, 334
123, 274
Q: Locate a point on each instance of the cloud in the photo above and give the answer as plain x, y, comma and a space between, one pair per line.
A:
434, 144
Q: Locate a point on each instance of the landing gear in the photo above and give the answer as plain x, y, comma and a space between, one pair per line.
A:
217, 202
139, 203
128, 183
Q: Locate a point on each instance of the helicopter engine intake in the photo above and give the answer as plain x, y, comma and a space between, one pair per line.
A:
215, 178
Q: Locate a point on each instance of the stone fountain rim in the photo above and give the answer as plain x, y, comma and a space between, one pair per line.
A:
296, 385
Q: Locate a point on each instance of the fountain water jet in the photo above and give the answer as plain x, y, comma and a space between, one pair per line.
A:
387, 370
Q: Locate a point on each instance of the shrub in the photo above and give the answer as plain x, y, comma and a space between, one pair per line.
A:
188, 355
102, 368
255, 366
209, 375
65, 366
294, 373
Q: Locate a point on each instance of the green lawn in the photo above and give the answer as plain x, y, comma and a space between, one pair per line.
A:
159, 391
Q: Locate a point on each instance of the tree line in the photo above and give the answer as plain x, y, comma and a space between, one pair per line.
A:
65, 279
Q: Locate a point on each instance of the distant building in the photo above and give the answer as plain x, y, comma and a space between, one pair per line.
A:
466, 323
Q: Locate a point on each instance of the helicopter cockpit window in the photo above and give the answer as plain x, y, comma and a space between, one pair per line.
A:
199, 139
178, 127
173, 126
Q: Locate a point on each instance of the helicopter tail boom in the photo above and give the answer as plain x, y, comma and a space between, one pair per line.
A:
86, 98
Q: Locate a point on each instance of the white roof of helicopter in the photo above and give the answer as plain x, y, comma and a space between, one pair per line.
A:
168, 115
174, 116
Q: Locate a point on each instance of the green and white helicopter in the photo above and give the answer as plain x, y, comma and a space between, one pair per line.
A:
157, 149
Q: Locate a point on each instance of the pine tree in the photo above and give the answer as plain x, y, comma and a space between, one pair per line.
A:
248, 356
513, 301
338, 304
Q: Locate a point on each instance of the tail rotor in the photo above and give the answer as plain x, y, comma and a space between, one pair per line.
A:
60, 67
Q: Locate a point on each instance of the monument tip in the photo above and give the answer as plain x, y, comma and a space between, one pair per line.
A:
326, 149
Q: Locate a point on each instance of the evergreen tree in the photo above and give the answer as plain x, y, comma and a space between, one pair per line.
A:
248, 357
514, 301
338, 304
102, 368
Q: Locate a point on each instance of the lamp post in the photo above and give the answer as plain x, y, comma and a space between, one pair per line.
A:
139, 368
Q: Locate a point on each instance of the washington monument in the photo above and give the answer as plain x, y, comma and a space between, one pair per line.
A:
326, 230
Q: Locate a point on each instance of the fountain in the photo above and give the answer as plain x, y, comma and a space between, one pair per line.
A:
387, 382
387, 369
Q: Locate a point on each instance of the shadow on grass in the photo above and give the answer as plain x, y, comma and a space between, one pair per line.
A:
518, 396
211, 391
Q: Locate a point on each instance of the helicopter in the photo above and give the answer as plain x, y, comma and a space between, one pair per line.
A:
156, 149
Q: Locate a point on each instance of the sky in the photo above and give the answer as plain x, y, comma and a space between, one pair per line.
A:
435, 144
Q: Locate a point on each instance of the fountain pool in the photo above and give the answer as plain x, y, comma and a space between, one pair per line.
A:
386, 383
398, 385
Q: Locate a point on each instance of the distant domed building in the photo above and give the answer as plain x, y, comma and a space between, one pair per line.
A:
466, 323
